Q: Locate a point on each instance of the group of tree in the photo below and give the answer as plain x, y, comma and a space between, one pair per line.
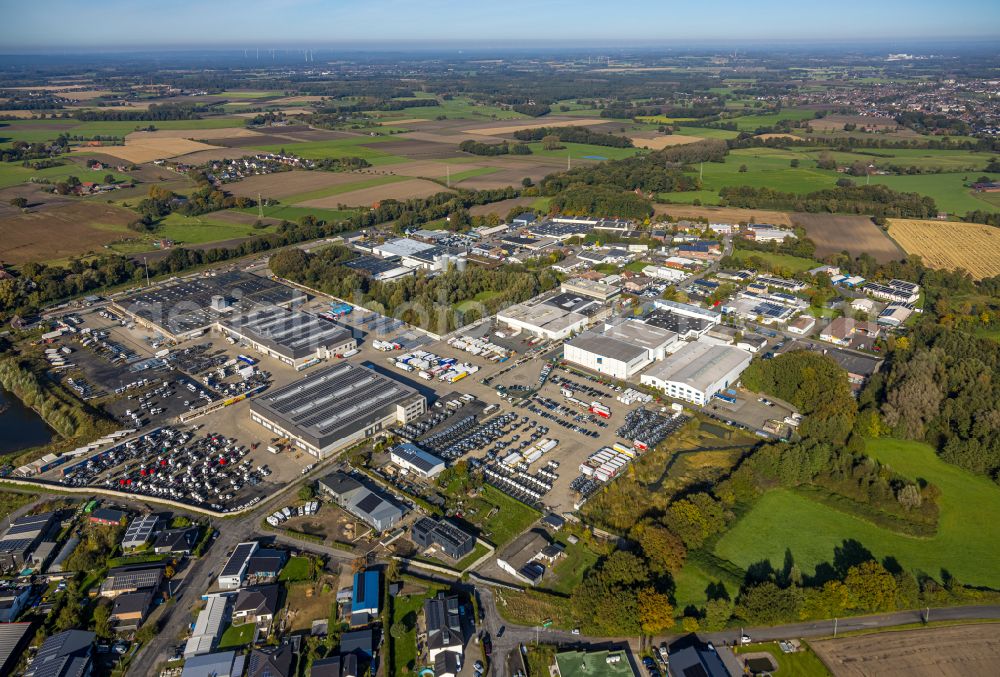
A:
155, 112
22, 151
574, 135
341, 164
439, 303
601, 201
876, 200
503, 148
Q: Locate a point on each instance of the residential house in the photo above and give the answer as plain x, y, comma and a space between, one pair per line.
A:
12, 601
256, 604
365, 596
130, 609
66, 654
127, 579
452, 541
443, 623
110, 517
271, 662
846, 331
218, 664
265, 565
176, 541
140, 531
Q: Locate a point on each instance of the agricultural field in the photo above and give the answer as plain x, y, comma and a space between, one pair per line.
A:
281, 185
584, 151
724, 214
948, 190
13, 174
749, 123
834, 233
950, 244
382, 188
61, 230
547, 122
202, 229
356, 182
359, 146
972, 649
965, 544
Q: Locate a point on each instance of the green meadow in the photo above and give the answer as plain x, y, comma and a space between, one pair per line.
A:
967, 543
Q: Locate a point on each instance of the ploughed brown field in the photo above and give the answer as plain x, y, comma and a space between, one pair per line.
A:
659, 142
61, 230
550, 122
366, 197
834, 233
725, 214
283, 184
953, 651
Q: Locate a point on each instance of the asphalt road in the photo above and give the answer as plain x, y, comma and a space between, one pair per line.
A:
515, 635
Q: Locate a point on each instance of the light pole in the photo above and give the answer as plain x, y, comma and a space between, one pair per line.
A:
835, 628
146, 266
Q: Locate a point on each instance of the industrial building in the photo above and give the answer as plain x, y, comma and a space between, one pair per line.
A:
381, 270
554, 317
412, 458
401, 247
22, 537
619, 350
367, 504
581, 286
899, 291
698, 371
427, 532
208, 626
291, 336
685, 327
336, 407
189, 308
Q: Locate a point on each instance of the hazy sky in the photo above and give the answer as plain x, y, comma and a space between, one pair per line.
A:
41, 24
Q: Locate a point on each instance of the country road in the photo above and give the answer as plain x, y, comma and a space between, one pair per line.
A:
515, 635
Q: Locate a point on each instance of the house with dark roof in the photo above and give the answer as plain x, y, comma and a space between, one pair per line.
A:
336, 666
697, 661
66, 654
256, 604
360, 643
367, 504
443, 622
14, 639
451, 540
218, 664
129, 579
130, 609
12, 601
271, 662
447, 664
176, 541
265, 565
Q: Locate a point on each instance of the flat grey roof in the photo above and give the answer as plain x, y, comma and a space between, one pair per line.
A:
290, 333
606, 346
333, 403
699, 365
403, 246
647, 335
187, 306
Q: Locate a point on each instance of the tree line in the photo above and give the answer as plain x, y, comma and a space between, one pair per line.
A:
575, 135
503, 148
155, 112
877, 200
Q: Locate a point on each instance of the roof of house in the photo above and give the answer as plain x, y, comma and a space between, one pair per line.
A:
132, 602
176, 539
271, 662
417, 457
444, 621
218, 664
13, 637
693, 661
258, 600
365, 594
358, 642
66, 654
108, 514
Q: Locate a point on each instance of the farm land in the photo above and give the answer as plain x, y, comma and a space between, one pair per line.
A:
944, 650
950, 244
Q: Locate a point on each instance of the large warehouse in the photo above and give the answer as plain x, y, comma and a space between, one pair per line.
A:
335, 407
620, 350
698, 371
553, 318
291, 336
189, 308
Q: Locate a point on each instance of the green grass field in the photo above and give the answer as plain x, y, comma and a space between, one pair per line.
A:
948, 190
13, 174
512, 518
948, 160
967, 543
249, 94
338, 148
570, 570
237, 636
707, 132
199, 229
803, 663
457, 108
796, 264
296, 569
749, 123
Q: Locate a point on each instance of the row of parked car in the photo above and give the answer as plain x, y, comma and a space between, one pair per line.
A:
288, 512
466, 435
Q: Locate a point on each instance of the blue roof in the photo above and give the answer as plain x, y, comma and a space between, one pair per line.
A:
365, 596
